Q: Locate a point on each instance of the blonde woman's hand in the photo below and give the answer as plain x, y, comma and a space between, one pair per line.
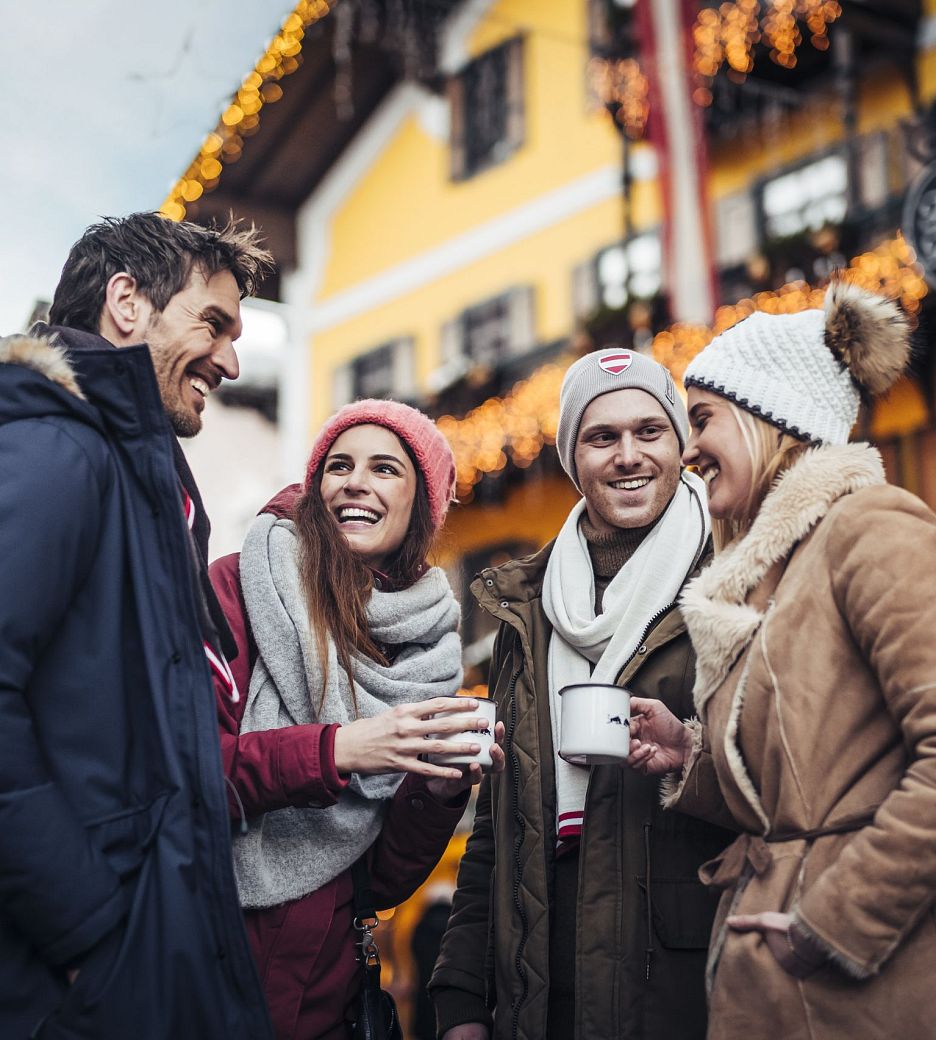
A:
797, 955
449, 790
392, 741
660, 743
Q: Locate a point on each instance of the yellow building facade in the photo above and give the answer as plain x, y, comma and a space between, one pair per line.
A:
393, 247
408, 247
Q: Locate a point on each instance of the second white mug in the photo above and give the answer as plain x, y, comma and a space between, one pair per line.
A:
594, 727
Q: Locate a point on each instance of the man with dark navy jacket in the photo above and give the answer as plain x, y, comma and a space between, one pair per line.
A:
118, 911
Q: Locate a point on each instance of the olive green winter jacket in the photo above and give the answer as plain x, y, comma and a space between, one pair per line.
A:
643, 918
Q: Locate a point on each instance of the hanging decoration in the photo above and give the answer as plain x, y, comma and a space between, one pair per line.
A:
726, 35
624, 90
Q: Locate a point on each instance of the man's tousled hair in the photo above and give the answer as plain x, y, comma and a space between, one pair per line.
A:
160, 254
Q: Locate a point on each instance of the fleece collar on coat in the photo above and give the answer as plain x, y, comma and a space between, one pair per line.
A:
43, 356
720, 622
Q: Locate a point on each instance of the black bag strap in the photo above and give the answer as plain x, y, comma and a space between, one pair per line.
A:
363, 896
365, 918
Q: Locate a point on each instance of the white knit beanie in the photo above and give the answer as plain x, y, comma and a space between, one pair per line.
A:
804, 373
603, 372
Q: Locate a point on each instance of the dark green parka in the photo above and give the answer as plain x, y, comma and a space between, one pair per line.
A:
642, 919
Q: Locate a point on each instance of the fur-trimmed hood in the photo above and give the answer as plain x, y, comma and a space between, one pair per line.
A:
39, 378
720, 621
55, 371
42, 355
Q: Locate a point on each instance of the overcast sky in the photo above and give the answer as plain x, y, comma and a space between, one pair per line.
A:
104, 104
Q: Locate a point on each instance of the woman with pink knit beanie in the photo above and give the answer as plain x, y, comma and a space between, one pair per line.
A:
348, 645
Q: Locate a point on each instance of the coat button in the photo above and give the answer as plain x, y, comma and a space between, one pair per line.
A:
176, 657
417, 803
642, 649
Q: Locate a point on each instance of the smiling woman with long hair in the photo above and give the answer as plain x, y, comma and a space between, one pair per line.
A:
815, 685
349, 645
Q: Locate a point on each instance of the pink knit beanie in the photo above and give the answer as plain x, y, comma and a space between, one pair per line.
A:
420, 434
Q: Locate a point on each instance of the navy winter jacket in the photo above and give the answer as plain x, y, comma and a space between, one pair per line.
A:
114, 835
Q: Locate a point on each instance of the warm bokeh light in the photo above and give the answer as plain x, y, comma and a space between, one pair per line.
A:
516, 427
621, 85
241, 117
728, 34
889, 269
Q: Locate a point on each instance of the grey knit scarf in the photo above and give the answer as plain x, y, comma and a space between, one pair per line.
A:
290, 852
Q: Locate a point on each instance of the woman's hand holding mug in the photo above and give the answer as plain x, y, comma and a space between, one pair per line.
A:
394, 740
449, 790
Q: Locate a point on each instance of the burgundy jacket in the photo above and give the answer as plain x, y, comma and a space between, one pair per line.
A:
305, 949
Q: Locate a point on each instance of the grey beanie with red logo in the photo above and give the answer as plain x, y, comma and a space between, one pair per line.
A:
603, 372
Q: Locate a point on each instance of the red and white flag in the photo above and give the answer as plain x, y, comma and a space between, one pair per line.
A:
676, 129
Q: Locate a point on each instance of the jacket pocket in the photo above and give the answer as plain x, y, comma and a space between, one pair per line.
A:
682, 912
125, 836
106, 998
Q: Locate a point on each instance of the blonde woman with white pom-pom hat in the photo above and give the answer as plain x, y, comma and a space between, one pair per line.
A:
815, 635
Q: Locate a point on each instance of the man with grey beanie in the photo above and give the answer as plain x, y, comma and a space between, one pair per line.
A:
578, 913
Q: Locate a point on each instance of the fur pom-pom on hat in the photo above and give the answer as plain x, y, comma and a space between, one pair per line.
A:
869, 334
806, 373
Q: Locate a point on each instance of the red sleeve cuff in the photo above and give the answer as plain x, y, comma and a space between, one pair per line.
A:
306, 766
332, 779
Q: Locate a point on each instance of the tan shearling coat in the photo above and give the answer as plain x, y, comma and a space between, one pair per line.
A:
815, 637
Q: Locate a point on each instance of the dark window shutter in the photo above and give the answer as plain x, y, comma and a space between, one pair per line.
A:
342, 385
515, 106
404, 368
456, 98
521, 320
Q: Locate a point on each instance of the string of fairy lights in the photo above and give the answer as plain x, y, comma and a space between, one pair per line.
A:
621, 83
516, 427
725, 35
728, 34
241, 118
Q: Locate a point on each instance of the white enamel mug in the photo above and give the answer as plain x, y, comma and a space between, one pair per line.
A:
485, 737
594, 726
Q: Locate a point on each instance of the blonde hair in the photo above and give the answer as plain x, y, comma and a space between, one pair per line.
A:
772, 452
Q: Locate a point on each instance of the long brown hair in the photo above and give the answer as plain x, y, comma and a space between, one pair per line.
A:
337, 584
772, 452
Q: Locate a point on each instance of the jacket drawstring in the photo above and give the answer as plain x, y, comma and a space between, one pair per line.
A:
240, 805
650, 949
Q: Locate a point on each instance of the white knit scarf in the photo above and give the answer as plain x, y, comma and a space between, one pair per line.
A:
288, 853
586, 648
